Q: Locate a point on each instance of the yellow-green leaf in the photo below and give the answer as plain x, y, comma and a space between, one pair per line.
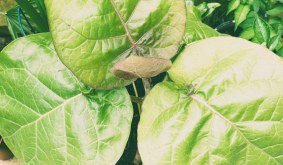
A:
45, 118
224, 106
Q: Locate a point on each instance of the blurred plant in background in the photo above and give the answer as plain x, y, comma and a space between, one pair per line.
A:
260, 21
5, 5
22, 17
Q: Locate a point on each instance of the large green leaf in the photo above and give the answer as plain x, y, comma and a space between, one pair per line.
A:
44, 116
128, 38
195, 29
227, 110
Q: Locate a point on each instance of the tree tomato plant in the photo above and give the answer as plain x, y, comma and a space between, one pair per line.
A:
65, 96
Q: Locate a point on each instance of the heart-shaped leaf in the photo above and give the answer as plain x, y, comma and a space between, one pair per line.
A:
227, 110
91, 37
44, 116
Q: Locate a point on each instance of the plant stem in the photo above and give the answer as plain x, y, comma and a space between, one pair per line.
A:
137, 100
137, 96
1, 139
146, 85
137, 160
20, 22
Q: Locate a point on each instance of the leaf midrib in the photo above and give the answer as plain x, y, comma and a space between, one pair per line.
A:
215, 112
128, 34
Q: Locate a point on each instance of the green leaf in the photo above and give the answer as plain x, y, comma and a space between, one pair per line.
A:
40, 6
247, 33
35, 17
12, 29
274, 42
256, 5
44, 116
233, 5
249, 21
206, 9
109, 44
278, 10
211, 8
280, 52
261, 29
195, 29
224, 107
203, 8
13, 24
241, 14
246, 1
189, 2
275, 21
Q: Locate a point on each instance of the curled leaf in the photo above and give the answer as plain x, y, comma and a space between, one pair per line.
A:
136, 66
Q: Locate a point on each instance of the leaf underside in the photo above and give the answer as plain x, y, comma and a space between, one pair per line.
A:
46, 119
234, 115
